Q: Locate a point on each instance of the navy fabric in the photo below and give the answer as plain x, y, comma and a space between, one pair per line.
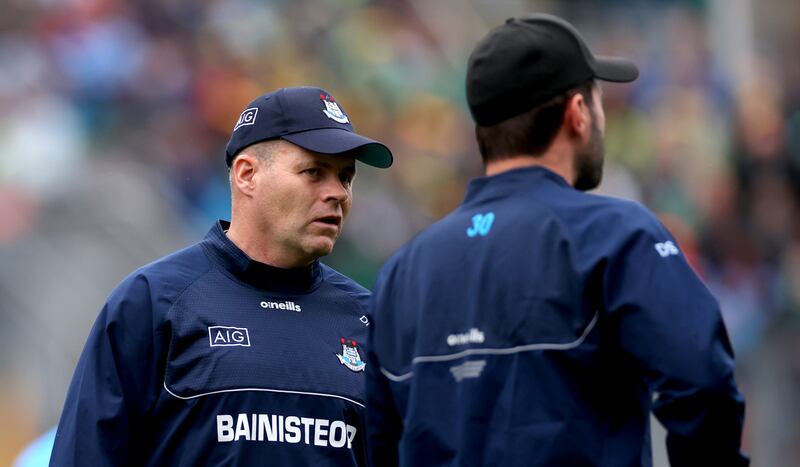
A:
533, 326
165, 379
335, 141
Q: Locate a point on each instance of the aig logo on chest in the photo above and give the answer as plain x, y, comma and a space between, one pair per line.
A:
228, 336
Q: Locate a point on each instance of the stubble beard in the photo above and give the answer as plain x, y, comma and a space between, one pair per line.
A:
589, 161
317, 245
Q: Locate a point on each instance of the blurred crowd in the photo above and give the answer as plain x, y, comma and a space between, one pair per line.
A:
114, 116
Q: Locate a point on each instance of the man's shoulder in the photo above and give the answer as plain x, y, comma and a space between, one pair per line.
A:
627, 208
587, 219
617, 211
343, 282
165, 277
580, 210
180, 267
606, 224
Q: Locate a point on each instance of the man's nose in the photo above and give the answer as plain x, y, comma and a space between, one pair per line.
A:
335, 190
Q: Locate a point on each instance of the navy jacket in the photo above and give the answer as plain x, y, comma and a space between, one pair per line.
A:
206, 357
533, 327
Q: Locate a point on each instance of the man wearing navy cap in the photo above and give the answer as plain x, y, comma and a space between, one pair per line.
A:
242, 349
534, 325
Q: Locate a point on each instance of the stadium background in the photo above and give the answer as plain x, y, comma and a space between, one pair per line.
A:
114, 116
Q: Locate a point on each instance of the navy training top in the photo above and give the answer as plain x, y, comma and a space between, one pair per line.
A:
206, 357
533, 326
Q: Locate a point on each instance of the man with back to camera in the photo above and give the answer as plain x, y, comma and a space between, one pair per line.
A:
533, 325
243, 348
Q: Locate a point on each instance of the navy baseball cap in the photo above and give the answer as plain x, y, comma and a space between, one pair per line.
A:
527, 61
308, 117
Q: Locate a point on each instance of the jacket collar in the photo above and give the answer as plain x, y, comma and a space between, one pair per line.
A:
263, 276
512, 179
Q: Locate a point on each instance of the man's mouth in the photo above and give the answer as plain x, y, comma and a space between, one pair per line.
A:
333, 221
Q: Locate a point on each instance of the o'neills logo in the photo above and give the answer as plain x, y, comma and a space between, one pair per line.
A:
285, 429
474, 336
287, 305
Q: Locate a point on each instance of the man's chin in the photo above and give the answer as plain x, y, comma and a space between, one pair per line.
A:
322, 246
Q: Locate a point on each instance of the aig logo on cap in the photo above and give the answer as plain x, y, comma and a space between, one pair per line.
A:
228, 336
248, 117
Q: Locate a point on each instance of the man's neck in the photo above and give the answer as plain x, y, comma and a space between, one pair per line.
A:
255, 248
560, 165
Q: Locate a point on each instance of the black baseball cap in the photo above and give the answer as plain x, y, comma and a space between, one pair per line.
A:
308, 117
527, 61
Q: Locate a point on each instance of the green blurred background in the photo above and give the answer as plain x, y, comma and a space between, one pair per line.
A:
114, 116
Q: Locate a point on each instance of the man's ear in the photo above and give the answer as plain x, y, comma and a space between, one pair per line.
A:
243, 171
577, 116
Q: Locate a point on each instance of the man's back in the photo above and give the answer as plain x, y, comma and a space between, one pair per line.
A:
548, 358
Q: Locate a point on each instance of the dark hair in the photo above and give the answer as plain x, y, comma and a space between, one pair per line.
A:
530, 132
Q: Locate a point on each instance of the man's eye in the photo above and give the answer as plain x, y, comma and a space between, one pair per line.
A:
346, 180
311, 172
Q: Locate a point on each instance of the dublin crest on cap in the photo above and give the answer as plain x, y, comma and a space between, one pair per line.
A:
332, 109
